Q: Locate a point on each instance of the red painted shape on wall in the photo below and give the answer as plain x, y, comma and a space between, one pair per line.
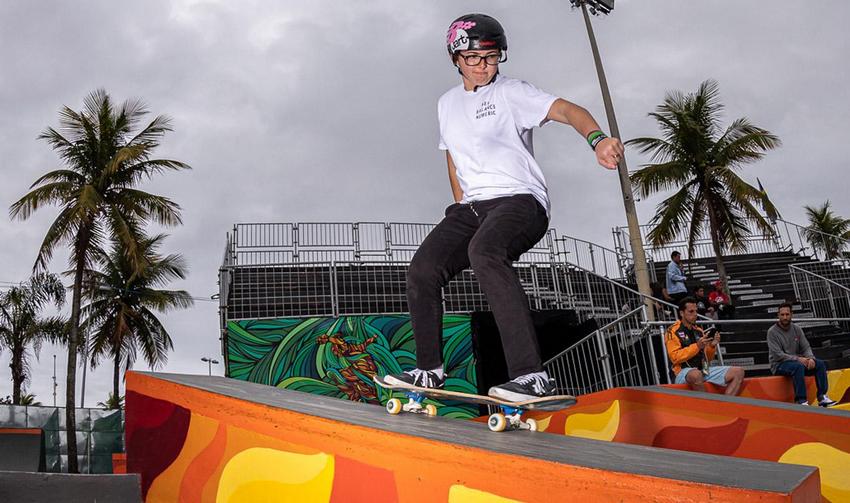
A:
202, 468
771, 444
721, 440
155, 431
356, 482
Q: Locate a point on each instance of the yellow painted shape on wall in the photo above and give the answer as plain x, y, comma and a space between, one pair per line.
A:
463, 494
269, 475
834, 466
166, 487
543, 423
839, 381
602, 426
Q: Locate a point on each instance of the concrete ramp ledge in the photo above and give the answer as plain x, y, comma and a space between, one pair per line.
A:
217, 439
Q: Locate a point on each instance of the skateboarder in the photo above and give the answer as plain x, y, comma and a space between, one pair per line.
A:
501, 204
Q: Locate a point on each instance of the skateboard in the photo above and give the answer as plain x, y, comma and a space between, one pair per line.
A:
510, 417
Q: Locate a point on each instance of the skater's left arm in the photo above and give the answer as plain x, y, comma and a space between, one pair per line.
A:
608, 152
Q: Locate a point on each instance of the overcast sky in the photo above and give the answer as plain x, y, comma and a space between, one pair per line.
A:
326, 111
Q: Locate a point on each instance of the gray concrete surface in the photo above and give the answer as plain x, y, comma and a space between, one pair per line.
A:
23, 487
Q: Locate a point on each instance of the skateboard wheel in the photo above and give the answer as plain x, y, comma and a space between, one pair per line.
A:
532, 424
393, 406
497, 422
431, 409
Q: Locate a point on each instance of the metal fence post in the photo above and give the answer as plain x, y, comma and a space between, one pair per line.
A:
651, 347
664, 353
605, 357
811, 296
334, 291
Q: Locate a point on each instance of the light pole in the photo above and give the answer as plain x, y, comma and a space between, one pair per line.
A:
210, 363
636, 242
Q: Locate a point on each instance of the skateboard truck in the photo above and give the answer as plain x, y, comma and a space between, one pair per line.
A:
510, 418
414, 404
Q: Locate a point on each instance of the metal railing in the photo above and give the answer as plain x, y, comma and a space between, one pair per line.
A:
833, 270
620, 353
282, 243
594, 258
265, 273
824, 297
784, 236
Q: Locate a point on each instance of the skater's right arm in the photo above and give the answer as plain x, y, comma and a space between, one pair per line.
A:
457, 192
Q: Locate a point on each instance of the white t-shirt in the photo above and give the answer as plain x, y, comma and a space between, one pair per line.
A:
488, 134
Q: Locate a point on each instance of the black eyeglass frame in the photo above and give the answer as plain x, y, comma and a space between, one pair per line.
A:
491, 59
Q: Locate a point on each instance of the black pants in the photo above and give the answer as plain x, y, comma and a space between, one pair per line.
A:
489, 236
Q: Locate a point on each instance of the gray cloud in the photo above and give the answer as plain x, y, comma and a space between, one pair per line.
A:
325, 111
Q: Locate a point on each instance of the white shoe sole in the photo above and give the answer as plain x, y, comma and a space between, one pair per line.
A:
396, 382
509, 396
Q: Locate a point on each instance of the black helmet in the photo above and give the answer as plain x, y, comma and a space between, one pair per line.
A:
475, 32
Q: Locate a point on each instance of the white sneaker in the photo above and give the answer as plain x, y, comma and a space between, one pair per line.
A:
825, 401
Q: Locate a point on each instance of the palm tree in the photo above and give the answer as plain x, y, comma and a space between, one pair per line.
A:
827, 232
120, 317
699, 159
105, 159
112, 402
29, 399
23, 327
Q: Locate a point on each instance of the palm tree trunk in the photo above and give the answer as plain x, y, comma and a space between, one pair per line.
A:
17, 374
73, 343
718, 251
115, 375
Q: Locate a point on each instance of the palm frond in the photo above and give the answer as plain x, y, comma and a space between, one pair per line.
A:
51, 193
660, 177
671, 216
158, 208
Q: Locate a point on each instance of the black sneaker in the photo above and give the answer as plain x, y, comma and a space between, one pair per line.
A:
527, 387
417, 377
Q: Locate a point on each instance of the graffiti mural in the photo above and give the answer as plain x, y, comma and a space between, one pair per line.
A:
338, 357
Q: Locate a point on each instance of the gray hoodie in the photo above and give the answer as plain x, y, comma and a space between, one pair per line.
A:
785, 345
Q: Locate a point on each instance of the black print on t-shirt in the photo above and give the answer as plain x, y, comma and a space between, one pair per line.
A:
486, 109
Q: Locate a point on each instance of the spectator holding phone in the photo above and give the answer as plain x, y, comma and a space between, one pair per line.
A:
690, 351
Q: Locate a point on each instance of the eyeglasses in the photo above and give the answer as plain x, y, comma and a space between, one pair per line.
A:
491, 59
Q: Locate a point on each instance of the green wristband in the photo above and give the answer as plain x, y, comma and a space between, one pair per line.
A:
595, 137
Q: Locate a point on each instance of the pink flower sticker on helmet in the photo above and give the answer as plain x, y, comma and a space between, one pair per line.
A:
456, 37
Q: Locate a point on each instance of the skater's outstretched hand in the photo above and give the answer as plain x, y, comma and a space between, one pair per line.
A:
609, 152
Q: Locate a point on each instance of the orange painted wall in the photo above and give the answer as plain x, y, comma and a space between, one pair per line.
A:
191, 445
689, 422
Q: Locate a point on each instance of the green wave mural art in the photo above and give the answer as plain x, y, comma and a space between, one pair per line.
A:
338, 357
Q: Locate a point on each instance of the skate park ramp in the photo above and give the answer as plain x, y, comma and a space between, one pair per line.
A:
709, 423
199, 438
22, 450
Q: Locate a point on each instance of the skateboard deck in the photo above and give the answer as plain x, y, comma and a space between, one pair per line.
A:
509, 418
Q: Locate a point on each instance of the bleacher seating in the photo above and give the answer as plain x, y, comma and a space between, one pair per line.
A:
759, 283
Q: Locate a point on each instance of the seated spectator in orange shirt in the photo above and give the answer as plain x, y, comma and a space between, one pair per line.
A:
690, 350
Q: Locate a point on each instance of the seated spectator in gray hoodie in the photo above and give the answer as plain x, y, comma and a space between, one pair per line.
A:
791, 355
